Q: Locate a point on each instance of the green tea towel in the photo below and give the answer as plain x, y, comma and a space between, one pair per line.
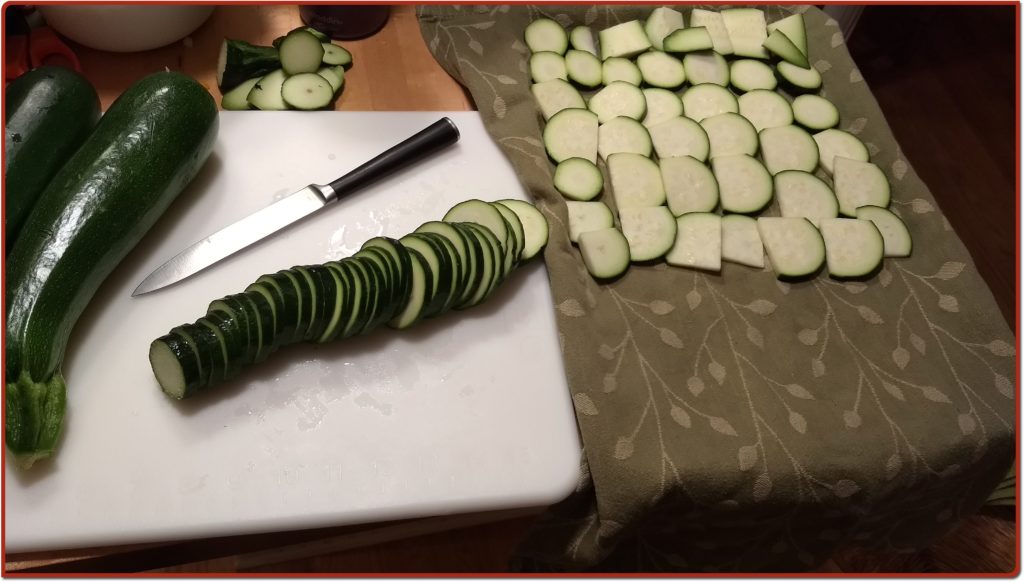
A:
734, 422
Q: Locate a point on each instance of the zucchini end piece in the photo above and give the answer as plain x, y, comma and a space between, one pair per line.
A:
34, 417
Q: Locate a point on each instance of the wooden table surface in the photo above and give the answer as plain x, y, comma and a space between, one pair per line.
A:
392, 71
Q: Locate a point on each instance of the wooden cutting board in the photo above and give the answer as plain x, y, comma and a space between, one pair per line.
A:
467, 412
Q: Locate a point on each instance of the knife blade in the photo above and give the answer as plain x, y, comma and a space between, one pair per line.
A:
294, 207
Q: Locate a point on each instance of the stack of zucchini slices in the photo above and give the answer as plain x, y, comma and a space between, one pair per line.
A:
698, 131
455, 263
302, 70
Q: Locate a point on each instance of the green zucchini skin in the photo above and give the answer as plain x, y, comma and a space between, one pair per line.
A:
143, 152
49, 113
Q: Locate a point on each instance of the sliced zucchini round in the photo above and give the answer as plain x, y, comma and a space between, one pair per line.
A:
788, 148
623, 134
307, 91
605, 253
707, 100
545, 34
618, 99
730, 134
578, 179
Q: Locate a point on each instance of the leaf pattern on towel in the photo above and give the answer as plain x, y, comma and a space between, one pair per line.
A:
732, 421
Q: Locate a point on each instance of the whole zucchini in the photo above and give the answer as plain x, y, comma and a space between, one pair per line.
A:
49, 113
144, 151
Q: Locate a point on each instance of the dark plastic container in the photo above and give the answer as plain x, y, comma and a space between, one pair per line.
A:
345, 22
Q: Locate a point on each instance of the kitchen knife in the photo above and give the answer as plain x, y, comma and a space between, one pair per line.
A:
296, 206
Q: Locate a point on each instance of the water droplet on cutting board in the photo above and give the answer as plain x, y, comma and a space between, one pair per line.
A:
364, 400
332, 157
281, 194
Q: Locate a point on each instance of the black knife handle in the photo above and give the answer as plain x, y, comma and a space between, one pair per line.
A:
439, 134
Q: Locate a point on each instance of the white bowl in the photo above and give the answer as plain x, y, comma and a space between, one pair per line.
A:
125, 28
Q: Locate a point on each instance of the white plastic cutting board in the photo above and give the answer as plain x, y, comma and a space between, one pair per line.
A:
466, 412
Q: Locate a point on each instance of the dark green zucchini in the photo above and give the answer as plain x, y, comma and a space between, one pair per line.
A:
144, 151
49, 112
240, 61
396, 283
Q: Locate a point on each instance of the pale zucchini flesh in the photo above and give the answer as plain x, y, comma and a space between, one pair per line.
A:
605, 253
895, 234
741, 242
650, 232
680, 136
689, 185
587, 217
744, 185
623, 135
707, 100
698, 243
788, 148
804, 195
635, 180
730, 134
794, 247
859, 183
853, 248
